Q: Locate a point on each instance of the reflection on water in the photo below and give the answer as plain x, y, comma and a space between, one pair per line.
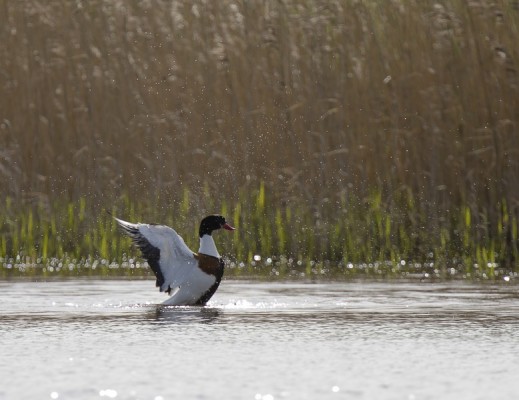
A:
361, 340
172, 314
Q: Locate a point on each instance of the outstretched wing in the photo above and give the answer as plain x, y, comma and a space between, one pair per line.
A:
165, 250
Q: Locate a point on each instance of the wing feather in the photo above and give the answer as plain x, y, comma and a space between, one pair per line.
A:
169, 257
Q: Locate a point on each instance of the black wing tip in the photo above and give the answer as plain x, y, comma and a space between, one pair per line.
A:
149, 252
130, 230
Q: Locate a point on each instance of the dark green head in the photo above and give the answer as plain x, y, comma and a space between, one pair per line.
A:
212, 223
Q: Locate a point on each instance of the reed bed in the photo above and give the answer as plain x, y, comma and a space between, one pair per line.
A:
350, 239
376, 131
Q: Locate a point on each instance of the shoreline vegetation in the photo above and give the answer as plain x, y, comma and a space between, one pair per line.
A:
342, 139
352, 238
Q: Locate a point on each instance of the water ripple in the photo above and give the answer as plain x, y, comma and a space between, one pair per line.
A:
113, 339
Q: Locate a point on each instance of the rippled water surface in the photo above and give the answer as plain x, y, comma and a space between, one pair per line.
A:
89, 339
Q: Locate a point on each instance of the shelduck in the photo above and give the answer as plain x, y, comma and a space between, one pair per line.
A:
189, 278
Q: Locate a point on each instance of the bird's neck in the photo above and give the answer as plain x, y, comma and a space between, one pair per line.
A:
208, 247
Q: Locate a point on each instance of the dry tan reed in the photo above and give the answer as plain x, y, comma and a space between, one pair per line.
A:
321, 100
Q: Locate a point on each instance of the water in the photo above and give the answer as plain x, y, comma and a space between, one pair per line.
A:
94, 339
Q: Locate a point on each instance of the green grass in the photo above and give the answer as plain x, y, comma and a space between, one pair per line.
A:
351, 237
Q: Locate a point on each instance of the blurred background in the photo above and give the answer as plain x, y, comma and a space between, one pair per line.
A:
346, 131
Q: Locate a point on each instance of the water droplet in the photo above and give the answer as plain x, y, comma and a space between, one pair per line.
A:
108, 393
335, 389
260, 396
54, 395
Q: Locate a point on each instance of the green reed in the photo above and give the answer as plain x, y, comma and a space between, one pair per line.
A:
350, 237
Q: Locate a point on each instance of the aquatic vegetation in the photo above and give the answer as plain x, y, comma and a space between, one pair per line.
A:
350, 238
346, 132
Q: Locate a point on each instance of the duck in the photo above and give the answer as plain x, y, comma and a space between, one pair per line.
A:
189, 278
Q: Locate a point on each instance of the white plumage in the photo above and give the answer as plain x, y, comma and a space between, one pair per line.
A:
190, 278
